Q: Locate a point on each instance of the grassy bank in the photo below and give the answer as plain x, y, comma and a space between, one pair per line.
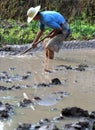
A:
12, 32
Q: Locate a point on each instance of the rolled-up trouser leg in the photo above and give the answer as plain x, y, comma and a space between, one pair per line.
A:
54, 44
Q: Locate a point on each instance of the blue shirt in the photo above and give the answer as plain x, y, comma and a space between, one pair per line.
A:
51, 19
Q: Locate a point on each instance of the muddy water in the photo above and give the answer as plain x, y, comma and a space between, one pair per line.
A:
78, 86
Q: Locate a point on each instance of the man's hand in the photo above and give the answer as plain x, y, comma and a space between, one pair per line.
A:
34, 45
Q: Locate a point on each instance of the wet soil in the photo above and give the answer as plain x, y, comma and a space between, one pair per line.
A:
36, 93
17, 49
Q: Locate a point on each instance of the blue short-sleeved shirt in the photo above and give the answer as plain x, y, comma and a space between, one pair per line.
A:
51, 19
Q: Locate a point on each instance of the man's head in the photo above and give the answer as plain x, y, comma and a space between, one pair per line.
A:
32, 12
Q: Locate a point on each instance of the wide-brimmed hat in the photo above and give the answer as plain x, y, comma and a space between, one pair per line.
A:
31, 13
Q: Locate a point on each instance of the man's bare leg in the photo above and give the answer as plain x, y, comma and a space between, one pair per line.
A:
49, 53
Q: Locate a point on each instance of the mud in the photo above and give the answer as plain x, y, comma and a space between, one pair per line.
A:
52, 95
18, 49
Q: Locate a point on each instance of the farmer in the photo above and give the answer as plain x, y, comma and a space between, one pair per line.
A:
54, 20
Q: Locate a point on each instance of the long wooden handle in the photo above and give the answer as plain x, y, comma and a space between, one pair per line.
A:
36, 43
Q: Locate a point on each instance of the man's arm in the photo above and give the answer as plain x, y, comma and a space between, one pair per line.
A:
39, 34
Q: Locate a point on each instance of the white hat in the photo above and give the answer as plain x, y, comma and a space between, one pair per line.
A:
32, 13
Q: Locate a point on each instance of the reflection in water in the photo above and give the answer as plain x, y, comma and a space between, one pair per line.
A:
80, 85
53, 98
48, 101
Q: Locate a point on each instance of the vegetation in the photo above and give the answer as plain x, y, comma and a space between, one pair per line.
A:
17, 9
12, 32
14, 29
82, 30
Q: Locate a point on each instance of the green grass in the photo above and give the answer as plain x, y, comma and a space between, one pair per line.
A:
12, 32
82, 30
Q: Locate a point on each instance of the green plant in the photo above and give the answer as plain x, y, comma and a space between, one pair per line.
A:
81, 29
12, 32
